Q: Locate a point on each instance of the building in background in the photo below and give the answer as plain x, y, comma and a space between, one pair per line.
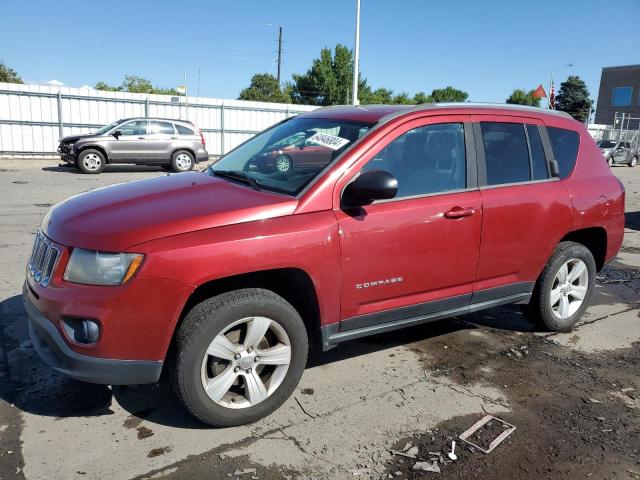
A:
619, 93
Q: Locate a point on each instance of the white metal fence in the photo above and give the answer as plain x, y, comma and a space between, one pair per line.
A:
34, 117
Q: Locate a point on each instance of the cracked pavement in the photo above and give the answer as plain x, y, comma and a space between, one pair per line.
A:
354, 403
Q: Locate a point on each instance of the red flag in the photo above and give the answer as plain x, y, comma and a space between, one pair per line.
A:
540, 93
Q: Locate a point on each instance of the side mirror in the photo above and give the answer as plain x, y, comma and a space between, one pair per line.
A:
117, 133
370, 186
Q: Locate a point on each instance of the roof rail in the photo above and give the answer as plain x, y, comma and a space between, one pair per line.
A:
501, 106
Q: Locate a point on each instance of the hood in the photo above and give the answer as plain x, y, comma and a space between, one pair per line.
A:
75, 138
117, 217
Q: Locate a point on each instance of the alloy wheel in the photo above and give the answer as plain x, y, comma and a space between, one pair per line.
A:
283, 163
183, 161
569, 288
246, 363
92, 162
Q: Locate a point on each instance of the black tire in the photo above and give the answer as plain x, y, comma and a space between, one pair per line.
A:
634, 161
211, 317
91, 161
610, 161
178, 158
539, 309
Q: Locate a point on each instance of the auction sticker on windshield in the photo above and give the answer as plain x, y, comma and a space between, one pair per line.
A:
326, 140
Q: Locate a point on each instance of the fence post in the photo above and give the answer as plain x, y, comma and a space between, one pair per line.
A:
222, 129
146, 108
60, 122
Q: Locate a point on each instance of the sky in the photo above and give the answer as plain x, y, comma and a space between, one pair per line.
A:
486, 48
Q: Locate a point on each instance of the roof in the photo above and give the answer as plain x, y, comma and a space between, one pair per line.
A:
376, 113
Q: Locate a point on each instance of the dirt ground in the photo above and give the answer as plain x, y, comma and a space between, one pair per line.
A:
574, 398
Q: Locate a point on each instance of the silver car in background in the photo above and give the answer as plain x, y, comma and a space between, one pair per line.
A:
142, 141
616, 151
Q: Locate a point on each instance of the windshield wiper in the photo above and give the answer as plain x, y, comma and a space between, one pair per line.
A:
236, 175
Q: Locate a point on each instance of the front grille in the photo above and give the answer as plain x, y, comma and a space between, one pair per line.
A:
43, 259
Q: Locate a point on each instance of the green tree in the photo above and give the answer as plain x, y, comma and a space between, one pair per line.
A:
402, 99
329, 80
422, 97
573, 98
449, 94
520, 97
264, 88
9, 75
135, 84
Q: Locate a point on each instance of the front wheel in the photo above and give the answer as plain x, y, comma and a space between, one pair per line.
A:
182, 161
633, 162
91, 161
238, 356
283, 163
563, 290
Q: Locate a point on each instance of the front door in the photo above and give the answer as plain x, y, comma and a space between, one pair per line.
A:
131, 144
415, 254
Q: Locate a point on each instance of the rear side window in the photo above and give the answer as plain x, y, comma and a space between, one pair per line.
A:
506, 153
565, 145
161, 127
538, 159
425, 160
183, 130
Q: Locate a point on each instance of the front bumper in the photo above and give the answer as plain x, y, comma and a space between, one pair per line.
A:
66, 154
54, 351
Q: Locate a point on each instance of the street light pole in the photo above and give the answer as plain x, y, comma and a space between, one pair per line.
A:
356, 56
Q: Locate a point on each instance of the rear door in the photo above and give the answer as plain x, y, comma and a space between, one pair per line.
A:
525, 210
162, 136
131, 144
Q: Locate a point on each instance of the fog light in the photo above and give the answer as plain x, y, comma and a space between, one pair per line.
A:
81, 330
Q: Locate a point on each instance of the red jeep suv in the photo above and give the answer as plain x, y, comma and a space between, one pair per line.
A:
224, 278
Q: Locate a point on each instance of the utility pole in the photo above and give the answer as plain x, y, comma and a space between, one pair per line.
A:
279, 52
356, 56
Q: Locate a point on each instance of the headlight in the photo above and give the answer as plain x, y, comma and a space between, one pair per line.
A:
98, 268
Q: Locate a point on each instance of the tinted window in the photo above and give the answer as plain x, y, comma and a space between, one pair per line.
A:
183, 130
161, 127
427, 159
621, 96
506, 153
137, 127
538, 159
565, 148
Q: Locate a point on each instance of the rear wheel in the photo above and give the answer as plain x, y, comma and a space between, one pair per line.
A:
284, 163
563, 290
91, 161
182, 161
239, 356
634, 161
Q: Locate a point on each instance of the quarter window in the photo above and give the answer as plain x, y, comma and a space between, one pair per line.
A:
506, 153
182, 130
565, 145
162, 127
425, 160
538, 159
621, 96
137, 127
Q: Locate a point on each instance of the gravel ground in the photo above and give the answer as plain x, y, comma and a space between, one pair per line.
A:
574, 398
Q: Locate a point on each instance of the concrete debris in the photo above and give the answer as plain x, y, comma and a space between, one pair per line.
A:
407, 446
402, 454
413, 451
487, 420
426, 467
593, 400
244, 471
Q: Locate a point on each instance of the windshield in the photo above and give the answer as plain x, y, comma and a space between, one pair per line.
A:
287, 157
106, 128
606, 144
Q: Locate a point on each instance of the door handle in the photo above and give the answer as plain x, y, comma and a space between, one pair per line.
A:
174, 138
459, 212
140, 138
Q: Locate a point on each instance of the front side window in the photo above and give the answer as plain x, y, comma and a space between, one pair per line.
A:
136, 127
161, 127
506, 153
429, 159
565, 145
288, 156
621, 96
